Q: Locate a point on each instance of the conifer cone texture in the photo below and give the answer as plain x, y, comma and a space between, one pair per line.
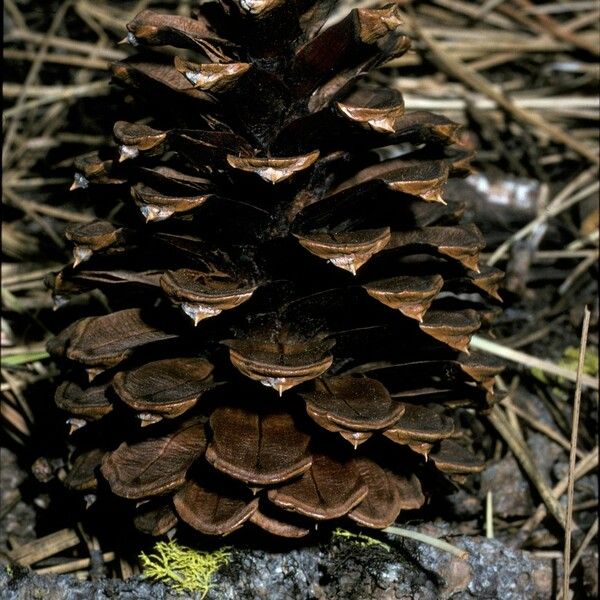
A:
263, 239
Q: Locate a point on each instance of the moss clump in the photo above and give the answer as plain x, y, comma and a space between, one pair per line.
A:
182, 568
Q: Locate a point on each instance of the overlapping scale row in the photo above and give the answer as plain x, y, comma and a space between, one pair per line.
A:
287, 340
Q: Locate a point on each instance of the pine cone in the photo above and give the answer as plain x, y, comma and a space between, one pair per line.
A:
286, 227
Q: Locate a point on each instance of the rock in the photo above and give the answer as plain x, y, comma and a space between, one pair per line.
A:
545, 453
495, 571
464, 505
18, 583
19, 522
510, 490
340, 570
589, 561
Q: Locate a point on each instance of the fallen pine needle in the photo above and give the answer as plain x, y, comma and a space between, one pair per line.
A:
489, 515
531, 362
427, 539
573, 453
22, 359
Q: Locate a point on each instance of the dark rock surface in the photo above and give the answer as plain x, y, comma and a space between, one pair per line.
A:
511, 492
19, 520
17, 583
341, 570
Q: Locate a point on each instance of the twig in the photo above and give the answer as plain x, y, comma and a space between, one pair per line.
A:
32, 552
572, 455
427, 539
73, 565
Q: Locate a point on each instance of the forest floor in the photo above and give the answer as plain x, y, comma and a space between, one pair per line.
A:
522, 76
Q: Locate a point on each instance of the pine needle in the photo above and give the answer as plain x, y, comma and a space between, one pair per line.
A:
573, 454
427, 539
22, 359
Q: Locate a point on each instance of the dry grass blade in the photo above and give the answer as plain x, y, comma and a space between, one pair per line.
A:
573, 455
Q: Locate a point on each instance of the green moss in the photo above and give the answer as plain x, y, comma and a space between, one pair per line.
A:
570, 359
359, 538
182, 568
